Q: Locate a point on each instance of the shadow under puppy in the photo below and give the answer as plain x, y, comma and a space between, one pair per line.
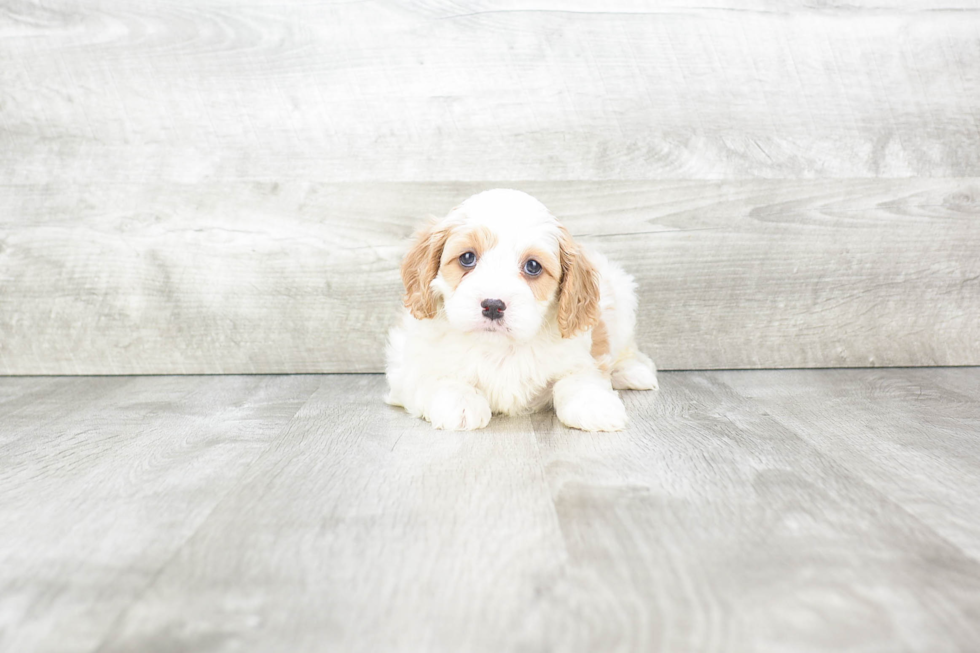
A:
505, 313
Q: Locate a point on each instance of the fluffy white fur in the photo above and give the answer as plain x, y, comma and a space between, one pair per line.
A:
448, 363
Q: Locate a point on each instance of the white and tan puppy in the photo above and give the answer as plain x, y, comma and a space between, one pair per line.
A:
507, 314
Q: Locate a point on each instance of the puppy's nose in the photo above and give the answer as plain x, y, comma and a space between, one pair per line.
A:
493, 308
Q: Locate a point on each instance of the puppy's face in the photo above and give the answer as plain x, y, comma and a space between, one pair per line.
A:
500, 263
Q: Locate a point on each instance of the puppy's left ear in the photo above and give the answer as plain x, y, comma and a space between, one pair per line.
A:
420, 267
578, 295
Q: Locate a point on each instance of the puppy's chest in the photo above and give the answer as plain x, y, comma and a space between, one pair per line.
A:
515, 381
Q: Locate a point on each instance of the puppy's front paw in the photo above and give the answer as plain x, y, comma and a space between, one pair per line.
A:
599, 411
459, 410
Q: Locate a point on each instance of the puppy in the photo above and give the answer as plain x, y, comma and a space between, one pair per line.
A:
505, 313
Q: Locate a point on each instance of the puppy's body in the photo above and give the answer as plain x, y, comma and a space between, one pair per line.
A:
564, 338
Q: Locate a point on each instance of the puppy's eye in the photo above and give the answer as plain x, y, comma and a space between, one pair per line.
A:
467, 259
532, 268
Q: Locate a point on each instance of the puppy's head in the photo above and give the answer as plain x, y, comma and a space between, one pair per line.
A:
501, 263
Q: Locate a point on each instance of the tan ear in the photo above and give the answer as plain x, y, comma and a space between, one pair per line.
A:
419, 267
578, 295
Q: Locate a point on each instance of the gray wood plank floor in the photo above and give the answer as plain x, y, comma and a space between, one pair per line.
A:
741, 511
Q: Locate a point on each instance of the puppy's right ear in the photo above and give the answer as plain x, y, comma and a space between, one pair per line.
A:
420, 266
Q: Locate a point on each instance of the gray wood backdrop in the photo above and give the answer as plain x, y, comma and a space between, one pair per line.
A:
212, 186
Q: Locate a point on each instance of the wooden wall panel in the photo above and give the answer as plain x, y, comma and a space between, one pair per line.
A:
303, 277
224, 186
192, 91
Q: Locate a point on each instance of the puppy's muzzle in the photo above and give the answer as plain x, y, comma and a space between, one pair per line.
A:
493, 308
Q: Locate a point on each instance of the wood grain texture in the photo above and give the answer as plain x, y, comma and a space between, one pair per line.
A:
906, 432
303, 277
188, 91
104, 480
223, 187
354, 495
715, 526
741, 511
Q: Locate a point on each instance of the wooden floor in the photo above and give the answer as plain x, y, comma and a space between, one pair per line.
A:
742, 511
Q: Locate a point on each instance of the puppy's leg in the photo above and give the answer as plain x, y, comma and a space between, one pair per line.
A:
455, 406
633, 370
636, 372
586, 400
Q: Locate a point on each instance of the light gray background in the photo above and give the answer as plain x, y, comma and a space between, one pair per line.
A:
225, 187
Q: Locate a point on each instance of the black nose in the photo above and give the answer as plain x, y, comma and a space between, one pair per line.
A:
493, 308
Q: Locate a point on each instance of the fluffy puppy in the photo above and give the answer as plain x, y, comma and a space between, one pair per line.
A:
505, 313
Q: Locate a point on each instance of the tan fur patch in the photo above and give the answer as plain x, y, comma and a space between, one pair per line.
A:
600, 348
453, 273
477, 239
544, 285
600, 340
419, 267
578, 301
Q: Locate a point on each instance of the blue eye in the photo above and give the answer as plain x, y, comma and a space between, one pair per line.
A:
532, 268
467, 259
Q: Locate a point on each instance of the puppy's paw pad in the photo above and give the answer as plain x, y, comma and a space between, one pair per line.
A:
634, 375
458, 411
598, 412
